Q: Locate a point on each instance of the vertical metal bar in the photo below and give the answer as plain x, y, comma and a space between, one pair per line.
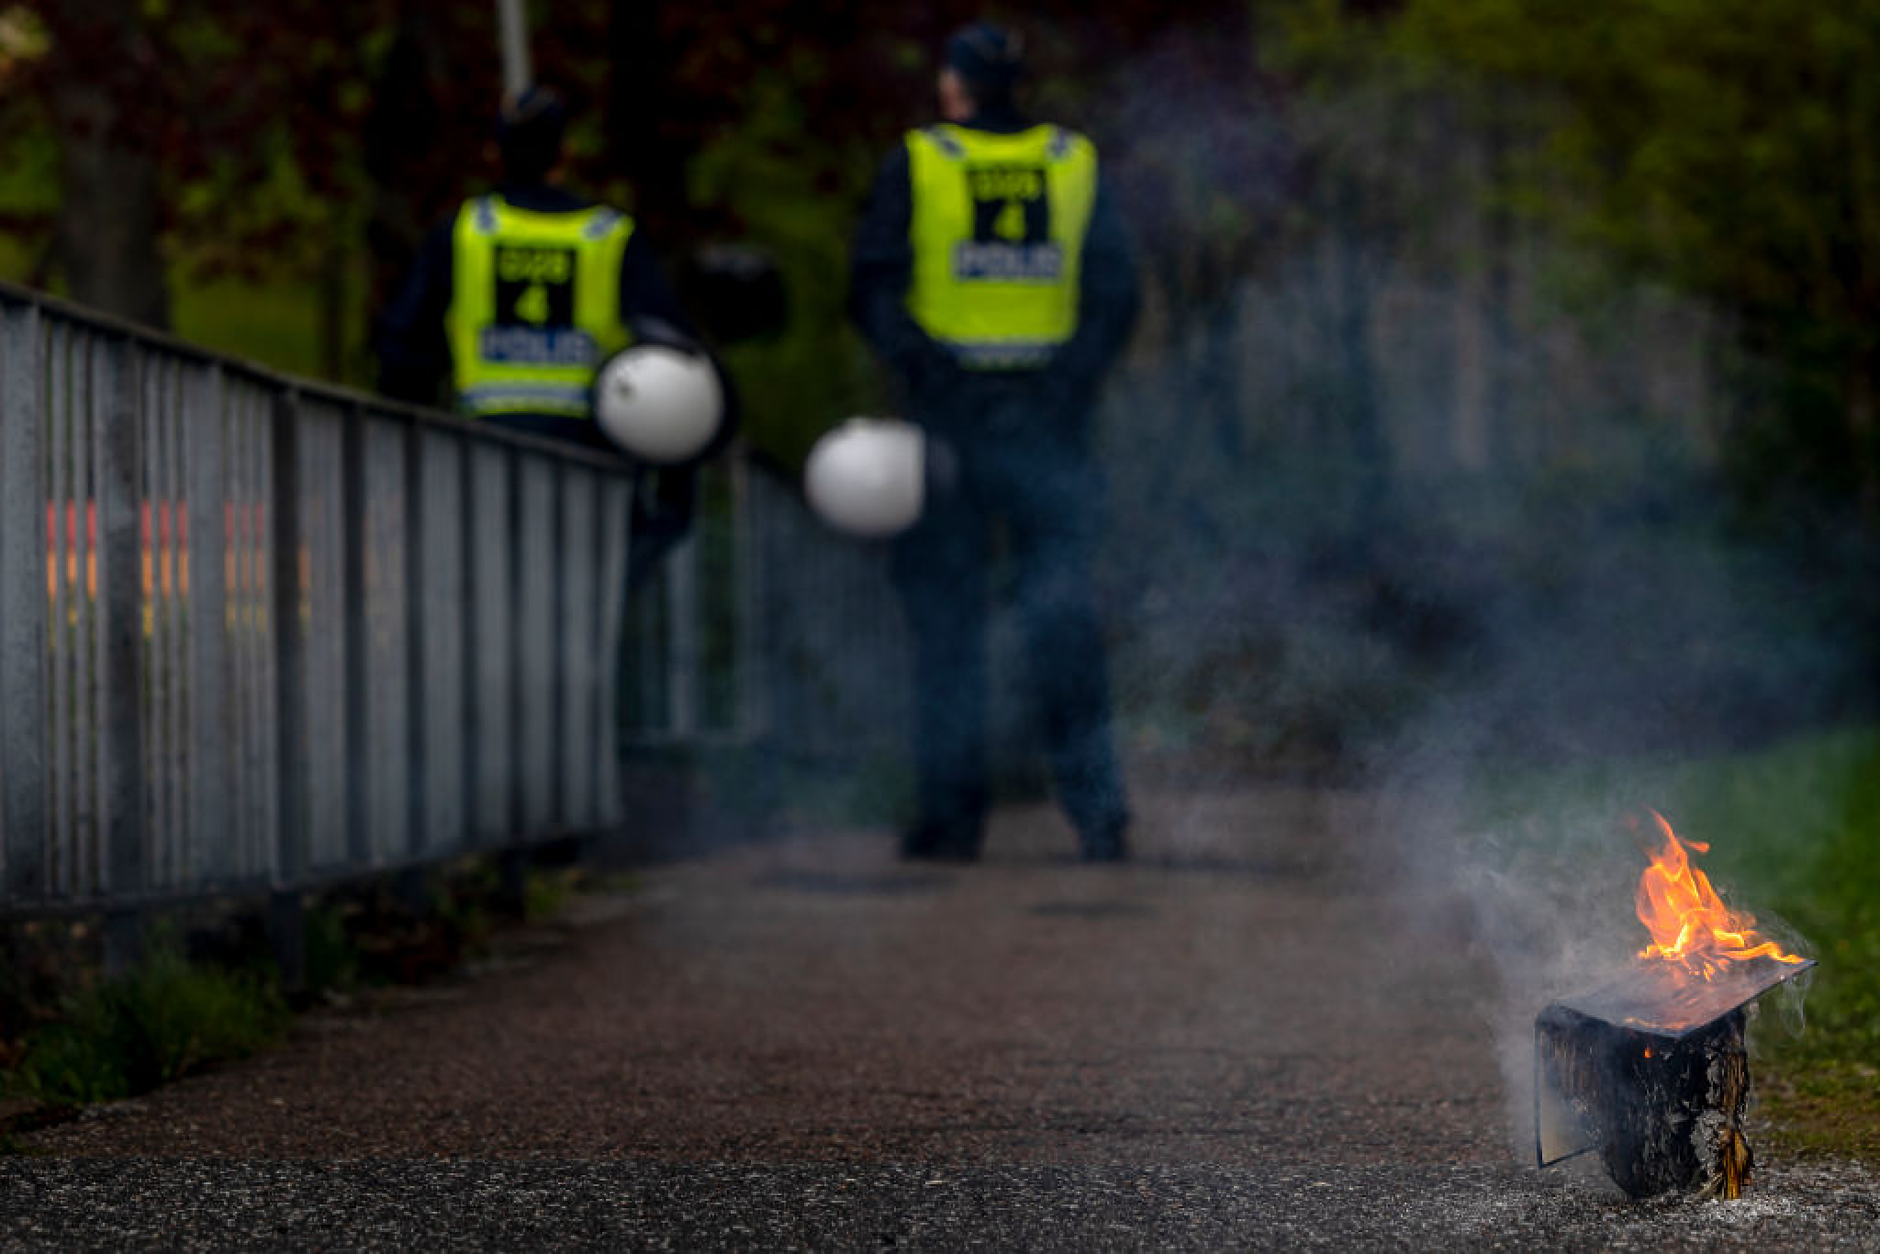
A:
615, 523
60, 719
121, 692
176, 505
445, 593
536, 634
558, 659
107, 412
267, 654
602, 649
518, 741
166, 619
210, 733
80, 856
682, 647
257, 698
353, 615
606, 651
510, 864
417, 817
241, 737
164, 859
492, 545
318, 437
473, 636
392, 679
285, 919
655, 642
513, 32
575, 628
752, 715
149, 707
23, 590
387, 685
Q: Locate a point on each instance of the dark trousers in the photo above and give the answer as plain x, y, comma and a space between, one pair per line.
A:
1040, 490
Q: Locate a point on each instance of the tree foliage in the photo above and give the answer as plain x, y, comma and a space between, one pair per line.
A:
306, 143
1728, 148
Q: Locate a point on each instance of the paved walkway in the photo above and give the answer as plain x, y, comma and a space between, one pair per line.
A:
1241, 1040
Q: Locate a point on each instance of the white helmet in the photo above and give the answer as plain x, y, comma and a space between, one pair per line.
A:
660, 404
867, 476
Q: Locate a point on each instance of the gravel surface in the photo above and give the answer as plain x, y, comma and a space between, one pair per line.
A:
1248, 1038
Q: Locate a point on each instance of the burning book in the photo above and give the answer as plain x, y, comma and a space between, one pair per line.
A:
1651, 1069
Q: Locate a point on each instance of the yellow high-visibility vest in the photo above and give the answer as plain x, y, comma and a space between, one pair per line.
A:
997, 234
535, 306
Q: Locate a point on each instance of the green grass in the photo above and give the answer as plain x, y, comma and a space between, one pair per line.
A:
1809, 817
1794, 830
275, 325
163, 1019
73, 1038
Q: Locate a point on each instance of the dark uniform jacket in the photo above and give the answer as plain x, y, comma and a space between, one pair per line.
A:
882, 266
414, 362
414, 357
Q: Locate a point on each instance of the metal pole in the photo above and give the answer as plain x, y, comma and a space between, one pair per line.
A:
514, 33
23, 626
417, 709
286, 918
115, 391
360, 851
412, 882
512, 864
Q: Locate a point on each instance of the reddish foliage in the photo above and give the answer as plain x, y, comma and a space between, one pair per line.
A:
391, 104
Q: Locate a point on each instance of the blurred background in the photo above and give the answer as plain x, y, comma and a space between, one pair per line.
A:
1500, 435
1507, 381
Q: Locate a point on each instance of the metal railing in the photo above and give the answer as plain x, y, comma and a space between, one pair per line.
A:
259, 634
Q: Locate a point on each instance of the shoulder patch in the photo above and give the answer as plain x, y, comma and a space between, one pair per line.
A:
484, 214
944, 141
600, 222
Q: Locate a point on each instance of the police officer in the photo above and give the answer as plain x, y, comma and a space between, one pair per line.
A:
992, 275
518, 296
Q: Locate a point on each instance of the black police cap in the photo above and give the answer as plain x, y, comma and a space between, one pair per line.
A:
989, 58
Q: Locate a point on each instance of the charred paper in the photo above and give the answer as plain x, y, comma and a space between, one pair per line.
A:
1652, 1072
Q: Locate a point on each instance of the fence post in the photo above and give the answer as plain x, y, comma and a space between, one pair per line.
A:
751, 709
559, 695
417, 731
352, 513
411, 880
286, 918
473, 632
120, 588
682, 634
512, 863
23, 591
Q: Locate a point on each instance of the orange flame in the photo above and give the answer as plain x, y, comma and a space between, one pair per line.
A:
1687, 920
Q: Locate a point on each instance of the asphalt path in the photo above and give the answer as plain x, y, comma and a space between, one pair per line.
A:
1259, 1034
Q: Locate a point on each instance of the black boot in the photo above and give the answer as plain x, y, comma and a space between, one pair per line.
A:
1104, 841
941, 842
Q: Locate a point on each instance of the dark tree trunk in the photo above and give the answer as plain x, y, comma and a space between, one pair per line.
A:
402, 133
637, 101
107, 239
